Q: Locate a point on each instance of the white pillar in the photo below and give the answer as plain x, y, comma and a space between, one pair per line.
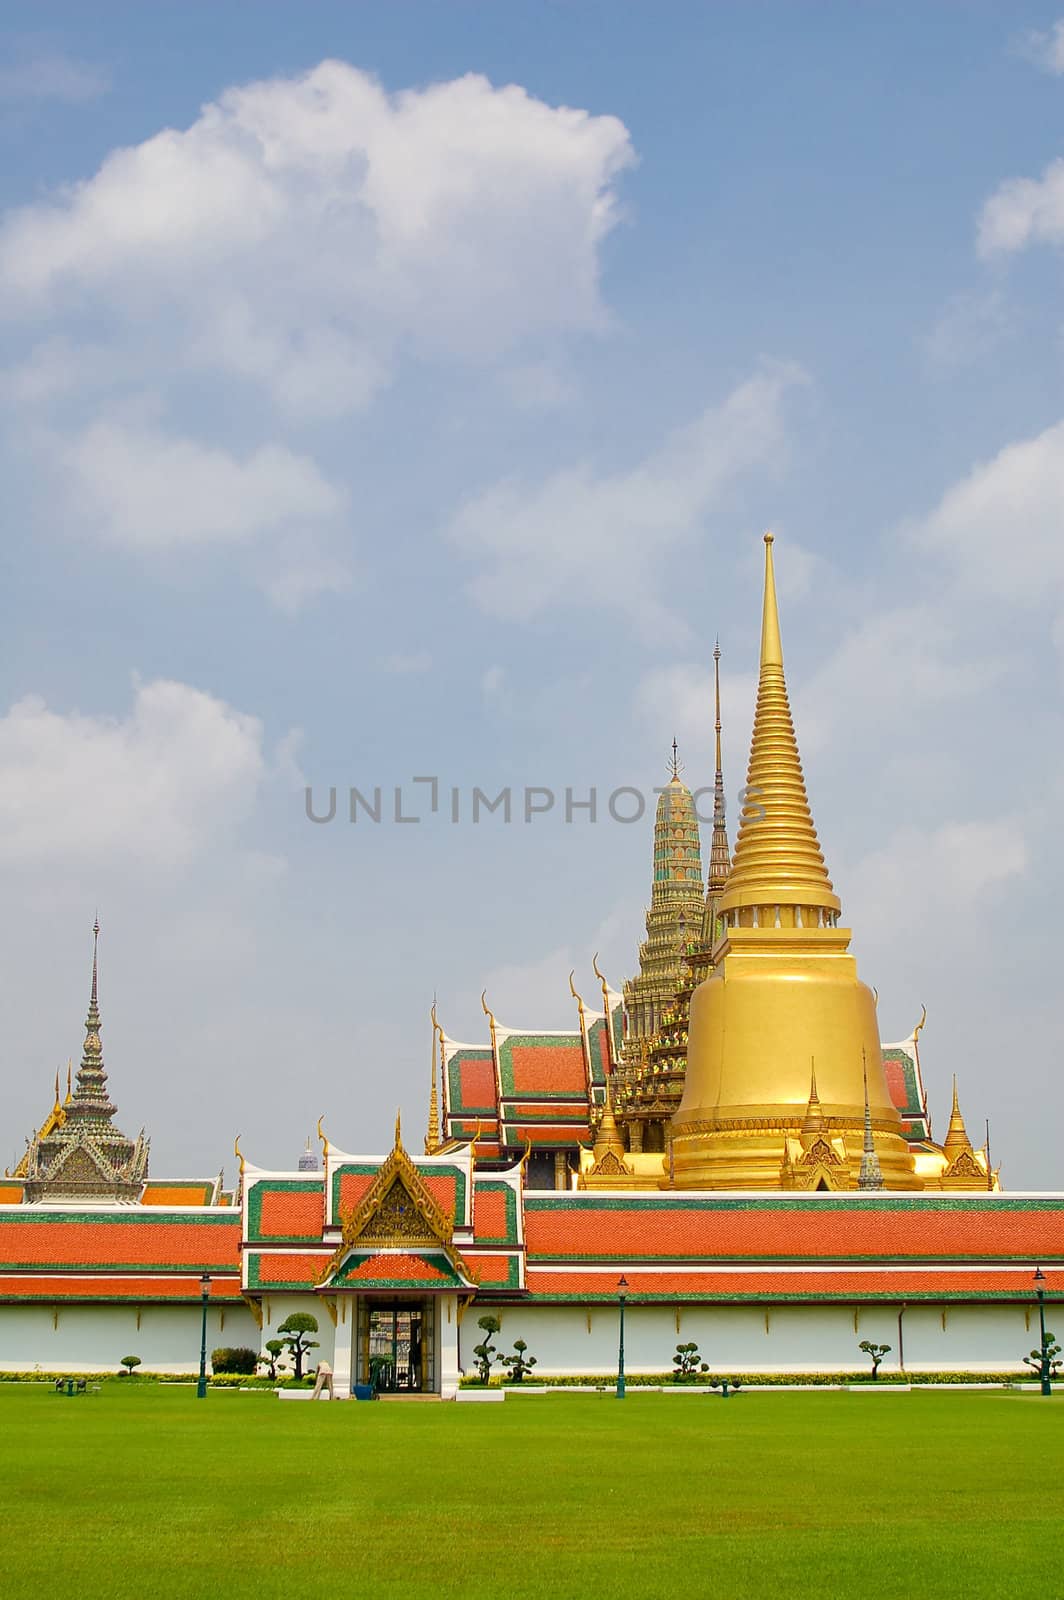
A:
346, 1315
447, 1344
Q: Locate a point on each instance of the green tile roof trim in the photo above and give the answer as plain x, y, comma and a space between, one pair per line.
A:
571, 1042
258, 1189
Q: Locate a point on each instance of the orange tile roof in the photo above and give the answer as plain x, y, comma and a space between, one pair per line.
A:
398, 1269
26, 1286
491, 1214
291, 1213
487, 1269
101, 1240
912, 1282
10, 1193
285, 1268
539, 1068
783, 1230
177, 1194
477, 1083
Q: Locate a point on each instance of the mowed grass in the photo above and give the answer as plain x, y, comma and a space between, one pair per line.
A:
147, 1491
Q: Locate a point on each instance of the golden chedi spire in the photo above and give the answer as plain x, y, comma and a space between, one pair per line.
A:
778, 860
785, 980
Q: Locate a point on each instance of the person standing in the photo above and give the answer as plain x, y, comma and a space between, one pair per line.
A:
324, 1380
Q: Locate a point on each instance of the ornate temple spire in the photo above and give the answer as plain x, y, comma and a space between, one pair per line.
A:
870, 1175
719, 855
814, 1115
778, 862
956, 1138
608, 1135
84, 1156
90, 1104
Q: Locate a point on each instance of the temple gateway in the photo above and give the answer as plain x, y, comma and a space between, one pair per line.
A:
727, 1135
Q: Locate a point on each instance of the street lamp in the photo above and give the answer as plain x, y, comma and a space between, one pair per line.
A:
622, 1292
205, 1294
1043, 1371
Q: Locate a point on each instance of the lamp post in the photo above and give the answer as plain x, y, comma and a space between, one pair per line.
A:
205, 1294
1043, 1371
622, 1293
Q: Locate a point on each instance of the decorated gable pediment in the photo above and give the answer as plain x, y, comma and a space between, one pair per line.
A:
397, 1213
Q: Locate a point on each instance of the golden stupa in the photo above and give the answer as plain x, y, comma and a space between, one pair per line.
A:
782, 1020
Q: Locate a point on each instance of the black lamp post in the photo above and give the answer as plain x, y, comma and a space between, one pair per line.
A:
205, 1294
1043, 1371
622, 1293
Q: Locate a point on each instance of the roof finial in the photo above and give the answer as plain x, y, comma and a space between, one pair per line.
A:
432, 1142
675, 765
606, 1009
398, 1127
871, 1174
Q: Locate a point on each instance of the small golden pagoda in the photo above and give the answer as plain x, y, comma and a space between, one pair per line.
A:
783, 1000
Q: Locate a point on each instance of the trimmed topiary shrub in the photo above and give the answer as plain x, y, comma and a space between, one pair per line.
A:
239, 1359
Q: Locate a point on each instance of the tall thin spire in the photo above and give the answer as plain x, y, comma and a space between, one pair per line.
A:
675, 764
719, 855
90, 1102
956, 1138
778, 862
814, 1115
870, 1175
432, 1143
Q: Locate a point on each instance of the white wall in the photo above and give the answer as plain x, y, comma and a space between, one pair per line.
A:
564, 1339
89, 1338
575, 1340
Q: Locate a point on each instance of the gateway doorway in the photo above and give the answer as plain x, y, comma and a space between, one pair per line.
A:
396, 1346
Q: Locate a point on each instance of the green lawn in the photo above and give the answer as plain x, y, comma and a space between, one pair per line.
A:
146, 1491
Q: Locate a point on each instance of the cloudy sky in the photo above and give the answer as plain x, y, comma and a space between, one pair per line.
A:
401, 391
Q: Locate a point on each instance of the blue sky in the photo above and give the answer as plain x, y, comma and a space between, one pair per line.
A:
397, 390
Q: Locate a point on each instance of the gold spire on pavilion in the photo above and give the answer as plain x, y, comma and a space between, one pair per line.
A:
432, 1140
778, 861
783, 989
956, 1138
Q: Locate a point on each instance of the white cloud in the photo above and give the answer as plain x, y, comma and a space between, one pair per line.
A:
1003, 524
957, 866
886, 675
151, 788
302, 227
1024, 211
590, 538
53, 77
1045, 48
143, 488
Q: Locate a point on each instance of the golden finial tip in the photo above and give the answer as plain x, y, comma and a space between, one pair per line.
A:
769, 537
